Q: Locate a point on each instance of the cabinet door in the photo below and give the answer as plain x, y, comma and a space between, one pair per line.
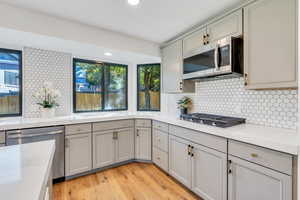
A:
103, 149
209, 173
125, 145
270, 44
78, 154
172, 67
143, 143
194, 41
179, 160
248, 181
231, 25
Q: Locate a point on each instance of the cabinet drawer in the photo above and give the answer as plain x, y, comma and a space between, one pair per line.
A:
198, 137
101, 126
143, 123
160, 158
161, 126
78, 128
160, 140
272, 159
2, 137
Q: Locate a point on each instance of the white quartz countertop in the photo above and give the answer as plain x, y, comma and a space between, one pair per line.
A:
24, 170
284, 140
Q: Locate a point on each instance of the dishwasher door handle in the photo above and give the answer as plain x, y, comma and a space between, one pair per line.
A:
34, 135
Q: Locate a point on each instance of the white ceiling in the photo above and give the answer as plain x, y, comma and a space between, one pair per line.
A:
153, 20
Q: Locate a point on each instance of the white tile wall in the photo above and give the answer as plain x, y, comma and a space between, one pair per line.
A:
43, 65
275, 108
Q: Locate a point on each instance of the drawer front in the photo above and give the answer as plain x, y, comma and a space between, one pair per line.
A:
161, 126
160, 158
78, 129
160, 140
201, 138
272, 159
143, 123
102, 126
2, 137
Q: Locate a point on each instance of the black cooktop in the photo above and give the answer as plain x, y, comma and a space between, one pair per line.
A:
213, 120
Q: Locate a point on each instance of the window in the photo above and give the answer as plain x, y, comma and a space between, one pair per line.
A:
148, 86
99, 86
10, 82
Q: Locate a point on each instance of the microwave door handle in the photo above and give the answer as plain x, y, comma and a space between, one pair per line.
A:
217, 58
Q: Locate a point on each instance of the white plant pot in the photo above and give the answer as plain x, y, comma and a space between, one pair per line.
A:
47, 112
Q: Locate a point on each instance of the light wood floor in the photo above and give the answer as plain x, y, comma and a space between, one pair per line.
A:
135, 181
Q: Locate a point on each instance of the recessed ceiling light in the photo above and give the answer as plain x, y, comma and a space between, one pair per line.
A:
133, 2
108, 54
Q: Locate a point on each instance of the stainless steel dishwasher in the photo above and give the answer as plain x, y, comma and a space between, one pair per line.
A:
41, 134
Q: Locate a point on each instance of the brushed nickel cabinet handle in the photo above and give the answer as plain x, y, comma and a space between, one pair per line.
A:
137, 132
254, 155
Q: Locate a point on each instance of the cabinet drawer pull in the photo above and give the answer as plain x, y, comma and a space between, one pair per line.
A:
158, 158
229, 171
254, 155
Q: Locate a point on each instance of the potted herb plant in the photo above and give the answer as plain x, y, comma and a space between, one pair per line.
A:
47, 98
183, 104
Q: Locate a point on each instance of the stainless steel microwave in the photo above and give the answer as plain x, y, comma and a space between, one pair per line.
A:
223, 57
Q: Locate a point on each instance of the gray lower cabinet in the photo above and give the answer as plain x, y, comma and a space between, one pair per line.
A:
125, 145
78, 154
113, 146
103, 149
143, 143
248, 181
201, 169
209, 173
179, 160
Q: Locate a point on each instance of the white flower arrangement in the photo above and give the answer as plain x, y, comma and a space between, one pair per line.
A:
47, 96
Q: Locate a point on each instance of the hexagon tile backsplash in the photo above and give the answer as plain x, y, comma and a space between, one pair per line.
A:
275, 108
43, 65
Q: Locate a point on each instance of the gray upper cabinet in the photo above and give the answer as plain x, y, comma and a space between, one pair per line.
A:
270, 44
78, 153
194, 41
231, 25
143, 144
248, 181
209, 173
172, 70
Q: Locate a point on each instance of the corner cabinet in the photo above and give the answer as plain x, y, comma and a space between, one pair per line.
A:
248, 181
143, 145
270, 48
201, 169
172, 71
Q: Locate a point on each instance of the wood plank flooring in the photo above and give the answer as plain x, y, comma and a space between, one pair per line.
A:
135, 181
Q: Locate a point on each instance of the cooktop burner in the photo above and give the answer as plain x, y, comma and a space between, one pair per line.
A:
213, 120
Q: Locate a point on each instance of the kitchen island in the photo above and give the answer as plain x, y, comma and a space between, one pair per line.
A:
25, 171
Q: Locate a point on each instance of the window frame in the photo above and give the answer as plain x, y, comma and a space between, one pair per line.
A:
102, 86
20, 53
138, 88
